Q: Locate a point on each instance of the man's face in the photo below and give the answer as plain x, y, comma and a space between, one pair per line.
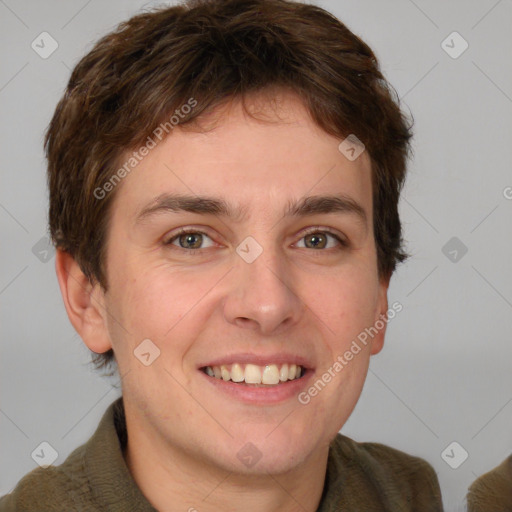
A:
260, 288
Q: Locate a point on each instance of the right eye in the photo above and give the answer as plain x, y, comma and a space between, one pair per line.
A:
188, 239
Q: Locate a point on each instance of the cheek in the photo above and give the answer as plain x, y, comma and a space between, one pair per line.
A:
156, 303
345, 302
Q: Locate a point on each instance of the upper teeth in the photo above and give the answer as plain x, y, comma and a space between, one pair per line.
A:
254, 374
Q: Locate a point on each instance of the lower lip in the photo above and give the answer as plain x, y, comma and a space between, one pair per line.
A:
261, 395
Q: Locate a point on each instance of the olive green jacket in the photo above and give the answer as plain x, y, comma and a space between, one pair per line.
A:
361, 477
493, 490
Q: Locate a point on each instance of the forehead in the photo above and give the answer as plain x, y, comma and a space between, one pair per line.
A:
251, 163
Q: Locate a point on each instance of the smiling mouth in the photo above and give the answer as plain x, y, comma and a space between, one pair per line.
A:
256, 375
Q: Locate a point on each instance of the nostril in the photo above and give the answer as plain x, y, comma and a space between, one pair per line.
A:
246, 321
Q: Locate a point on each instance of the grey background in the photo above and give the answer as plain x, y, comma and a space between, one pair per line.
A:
444, 374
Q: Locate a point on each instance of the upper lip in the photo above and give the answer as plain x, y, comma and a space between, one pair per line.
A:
260, 359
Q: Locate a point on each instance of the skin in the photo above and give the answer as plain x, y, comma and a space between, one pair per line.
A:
184, 434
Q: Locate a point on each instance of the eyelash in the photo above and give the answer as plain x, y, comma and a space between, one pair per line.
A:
186, 231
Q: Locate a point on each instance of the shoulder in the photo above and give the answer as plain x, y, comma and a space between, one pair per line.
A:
60, 486
94, 477
391, 475
492, 490
70, 485
380, 455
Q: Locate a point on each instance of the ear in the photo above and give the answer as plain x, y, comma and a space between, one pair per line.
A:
84, 303
381, 315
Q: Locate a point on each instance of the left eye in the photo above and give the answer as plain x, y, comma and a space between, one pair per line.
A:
319, 240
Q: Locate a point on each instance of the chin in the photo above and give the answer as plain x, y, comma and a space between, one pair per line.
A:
260, 455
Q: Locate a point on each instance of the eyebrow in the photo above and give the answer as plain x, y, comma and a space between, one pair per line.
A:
202, 205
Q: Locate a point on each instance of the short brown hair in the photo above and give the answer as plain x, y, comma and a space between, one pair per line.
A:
136, 77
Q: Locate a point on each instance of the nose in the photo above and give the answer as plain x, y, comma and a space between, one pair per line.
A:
263, 295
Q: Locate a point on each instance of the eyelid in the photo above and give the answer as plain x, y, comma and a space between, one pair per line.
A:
187, 229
